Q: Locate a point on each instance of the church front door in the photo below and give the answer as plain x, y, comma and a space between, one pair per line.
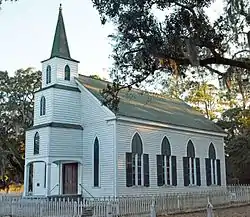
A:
70, 178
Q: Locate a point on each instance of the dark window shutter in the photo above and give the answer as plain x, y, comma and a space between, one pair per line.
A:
218, 172
146, 169
186, 171
160, 172
198, 172
129, 169
174, 171
208, 171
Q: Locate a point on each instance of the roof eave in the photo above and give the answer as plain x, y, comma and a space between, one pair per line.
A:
65, 58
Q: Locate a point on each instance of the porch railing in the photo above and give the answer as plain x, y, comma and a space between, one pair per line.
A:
82, 187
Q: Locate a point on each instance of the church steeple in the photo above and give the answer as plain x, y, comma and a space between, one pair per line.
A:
60, 45
60, 67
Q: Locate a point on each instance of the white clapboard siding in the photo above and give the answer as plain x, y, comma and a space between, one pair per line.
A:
49, 97
152, 138
44, 143
93, 121
65, 142
66, 106
57, 71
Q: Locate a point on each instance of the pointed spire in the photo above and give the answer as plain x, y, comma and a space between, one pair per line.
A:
60, 45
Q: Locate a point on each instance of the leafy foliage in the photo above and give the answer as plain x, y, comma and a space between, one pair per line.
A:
236, 122
145, 45
16, 110
3, 1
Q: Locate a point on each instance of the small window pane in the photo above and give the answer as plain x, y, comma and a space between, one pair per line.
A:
192, 170
168, 170
139, 169
133, 169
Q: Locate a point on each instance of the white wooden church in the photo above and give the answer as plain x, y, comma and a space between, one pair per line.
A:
77, 146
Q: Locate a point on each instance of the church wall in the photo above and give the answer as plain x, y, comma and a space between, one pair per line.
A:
65, 142
53, 66
66, 106
38, 159
61, 63
152, 138
39, 181
48, 94
93, 121
44, 142
57, 71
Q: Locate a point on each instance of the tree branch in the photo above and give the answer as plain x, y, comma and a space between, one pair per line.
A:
217, 61
241, 51
214, 70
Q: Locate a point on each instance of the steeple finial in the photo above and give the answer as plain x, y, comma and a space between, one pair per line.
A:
60, 8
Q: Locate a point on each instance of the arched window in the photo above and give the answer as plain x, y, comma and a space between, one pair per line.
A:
212, 167
191, 166
36, 143
48, 74
67, 73
166, 165
96, 162
42, 106
137, 164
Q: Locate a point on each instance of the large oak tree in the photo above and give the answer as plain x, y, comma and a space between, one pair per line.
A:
16, 111
185, 40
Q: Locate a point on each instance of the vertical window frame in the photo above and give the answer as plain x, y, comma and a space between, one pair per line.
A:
48, 74
36, 145
42, 106
96, 163
67, 73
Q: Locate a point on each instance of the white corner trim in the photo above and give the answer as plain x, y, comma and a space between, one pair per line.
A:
105, 109
187, 129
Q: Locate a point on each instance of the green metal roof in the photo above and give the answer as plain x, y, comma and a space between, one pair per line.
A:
60, 46
153, 107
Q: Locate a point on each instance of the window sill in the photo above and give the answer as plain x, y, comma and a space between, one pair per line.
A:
96, 187
193, 186
167, 186
138, 186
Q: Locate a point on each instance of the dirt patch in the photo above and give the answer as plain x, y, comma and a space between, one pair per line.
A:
240, 211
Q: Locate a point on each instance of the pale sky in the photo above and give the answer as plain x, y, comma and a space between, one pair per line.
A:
27, 29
